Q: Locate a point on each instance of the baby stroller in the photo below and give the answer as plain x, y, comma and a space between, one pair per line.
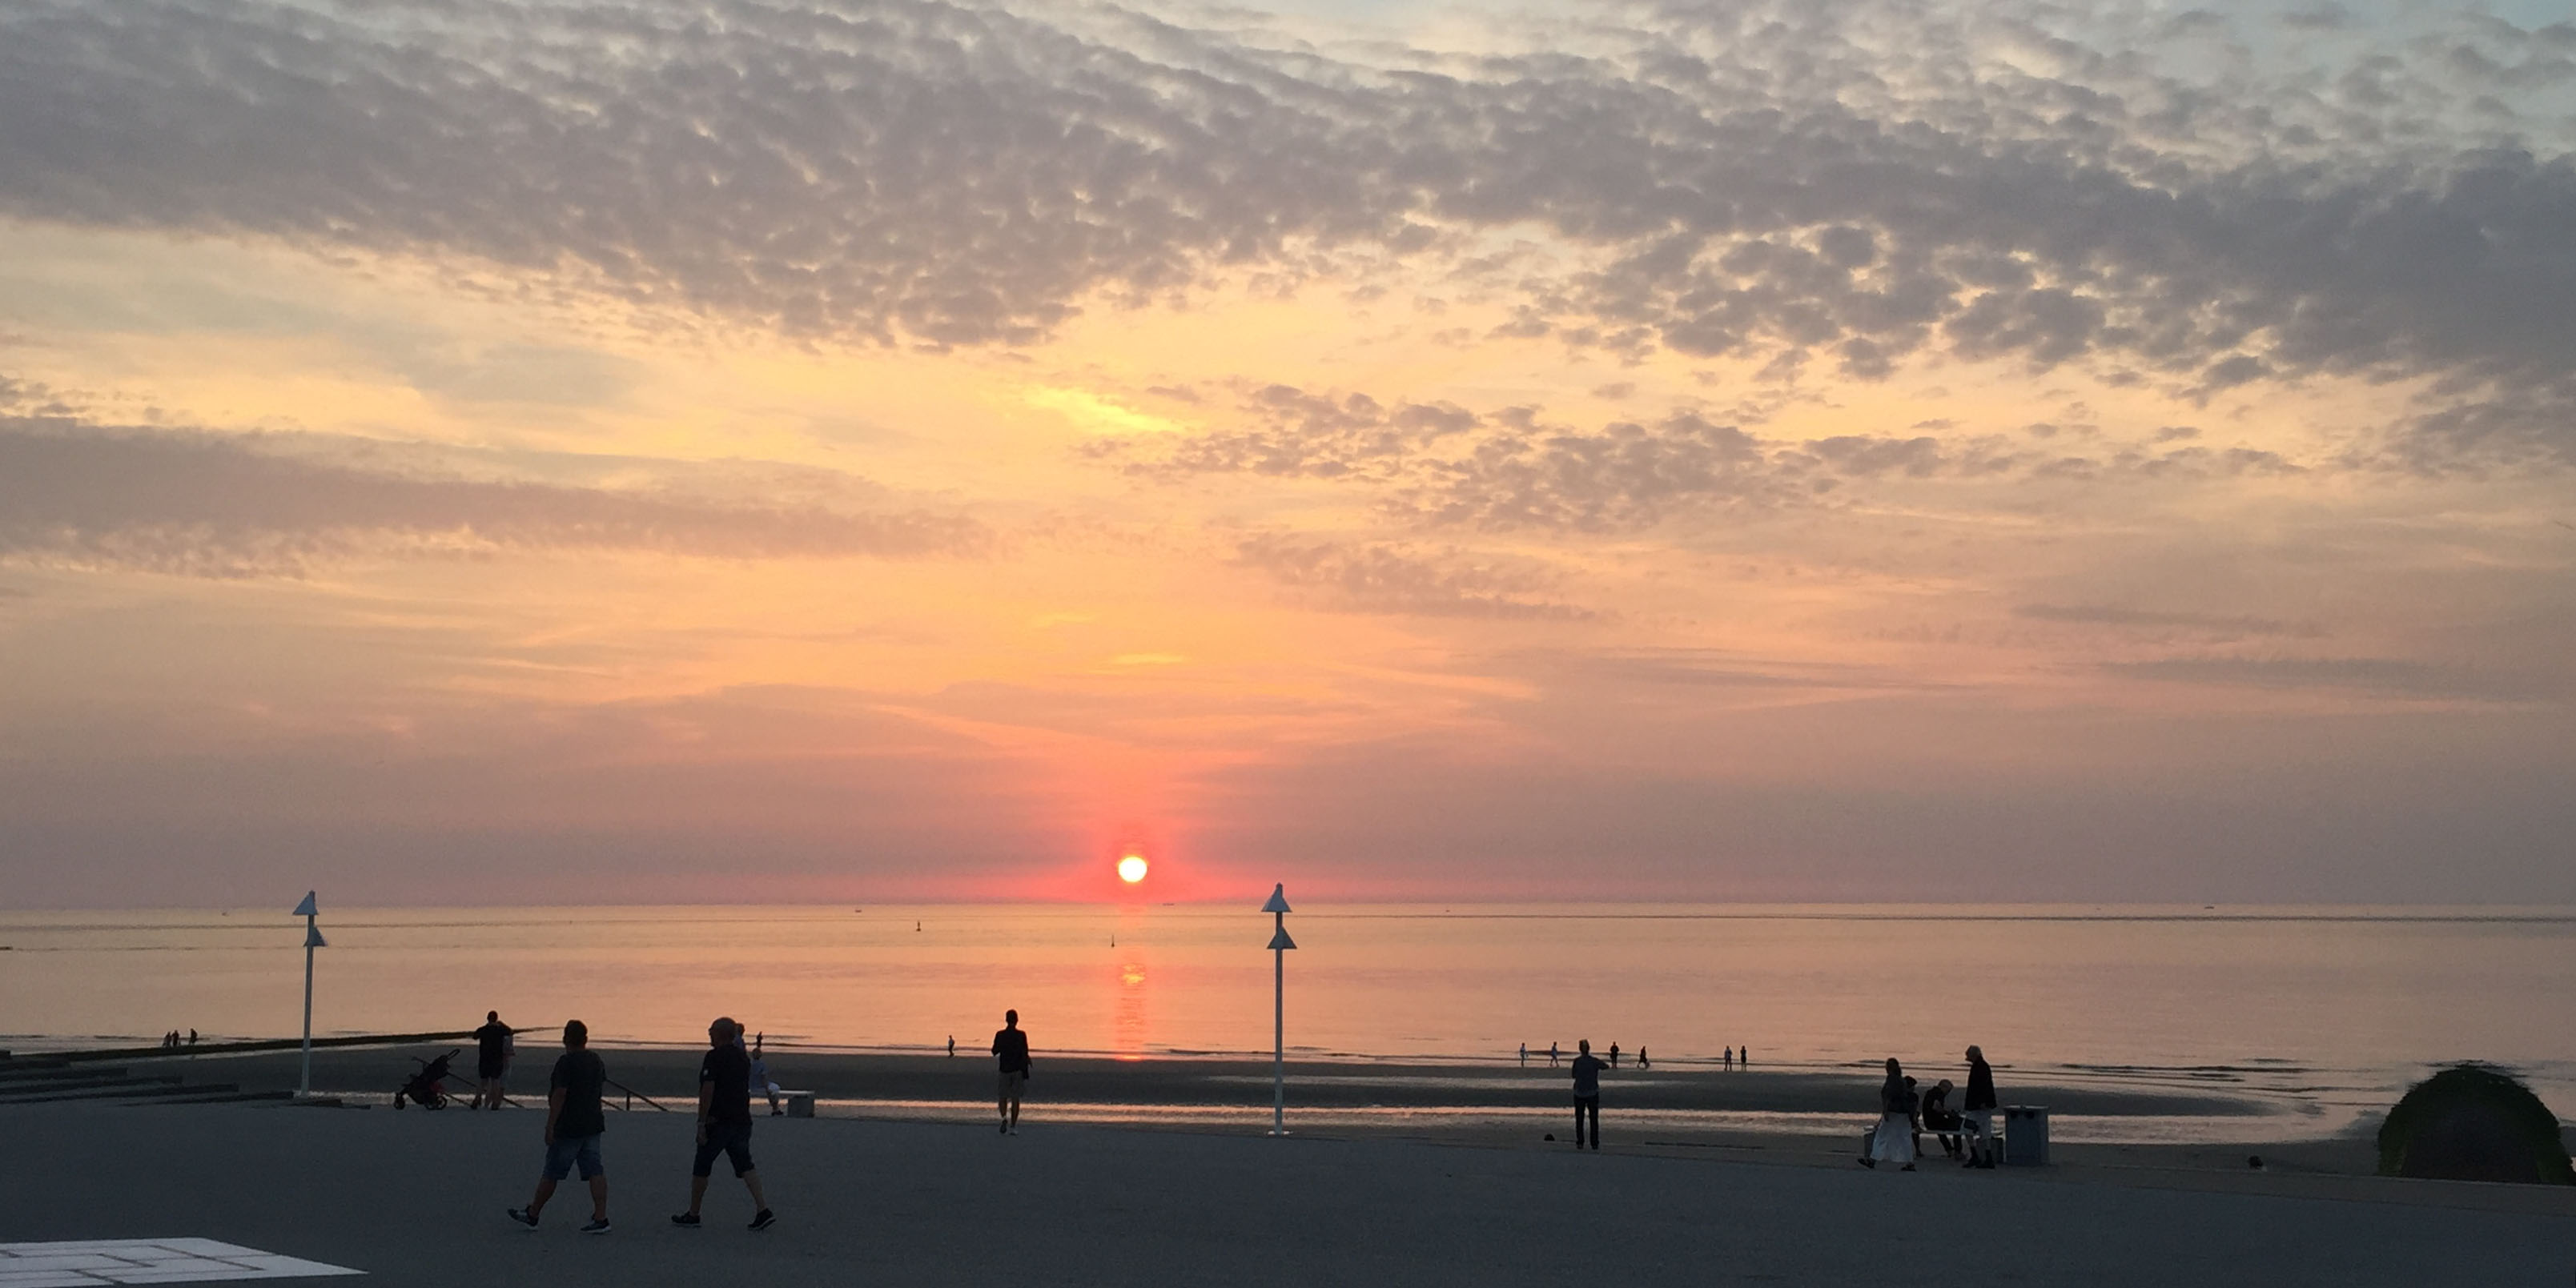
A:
423, 1089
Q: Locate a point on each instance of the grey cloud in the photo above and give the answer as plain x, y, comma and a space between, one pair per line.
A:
221, 505
1379, 578
2217, 624
1450, 467
2391, 677
1759, 180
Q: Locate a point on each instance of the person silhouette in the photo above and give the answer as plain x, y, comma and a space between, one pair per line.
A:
1641, 1058
1524, 1055
1977, 1110
1614, 1055
1011, 1047
1893, 1141
952, 1046
574, 1122
1587, 1093
1551, 1055
492, 1051
724, 1123
1729, 1066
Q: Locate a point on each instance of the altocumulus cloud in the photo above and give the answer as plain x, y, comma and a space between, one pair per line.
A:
1858, 183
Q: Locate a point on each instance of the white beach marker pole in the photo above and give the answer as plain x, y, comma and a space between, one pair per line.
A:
312, 940
1280, 943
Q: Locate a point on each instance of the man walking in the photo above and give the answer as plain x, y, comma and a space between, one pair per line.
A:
491, 1060
1587, 1093
1977, 1110
574, 1123
724, 1123
1012, 1047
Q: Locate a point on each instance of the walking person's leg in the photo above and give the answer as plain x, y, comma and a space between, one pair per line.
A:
1592, 1108
1578, 1122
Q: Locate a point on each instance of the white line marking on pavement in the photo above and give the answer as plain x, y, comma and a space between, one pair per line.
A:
87, 1263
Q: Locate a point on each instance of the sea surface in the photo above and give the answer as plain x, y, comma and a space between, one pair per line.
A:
2319, 1011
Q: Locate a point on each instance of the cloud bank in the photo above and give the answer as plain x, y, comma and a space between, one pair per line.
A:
1855, 184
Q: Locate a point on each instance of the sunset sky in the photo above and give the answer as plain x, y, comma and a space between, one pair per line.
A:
484, 451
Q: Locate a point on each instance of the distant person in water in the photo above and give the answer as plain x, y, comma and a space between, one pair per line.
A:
1743, 1057
1551, 1055
1587, 1093
491, 1061
1614, 1055
1524, 1055
952, 1046
1977, 1110
1893, 1141
192, 1037
574, 1123
724, 1123
760, 1080
1729, 1064
1641, 1059
1011, 1048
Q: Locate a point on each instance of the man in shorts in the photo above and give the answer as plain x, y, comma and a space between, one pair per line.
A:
574, 1123
491, 1060
1012, 1046
724, 1123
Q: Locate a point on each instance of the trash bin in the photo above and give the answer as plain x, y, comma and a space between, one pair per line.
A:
2025, 1135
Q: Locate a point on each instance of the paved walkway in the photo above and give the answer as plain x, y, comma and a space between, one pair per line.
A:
416, 1198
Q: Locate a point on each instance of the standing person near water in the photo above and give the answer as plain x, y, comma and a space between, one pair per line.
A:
1587, 1093
1893, 1142
491, 1060
574, 1124
1011, 1047
1977, 1110
724, 1123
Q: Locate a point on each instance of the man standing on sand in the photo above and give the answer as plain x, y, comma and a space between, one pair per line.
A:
1977, 1110
1587, 1093
1551, 1055
1524, 1055
724, 1123
1012, 1047
491, 1060
574, 1124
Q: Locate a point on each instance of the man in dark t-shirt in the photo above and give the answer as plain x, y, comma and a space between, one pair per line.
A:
724, 1122
1587, 1093
573, 1127
1977, 1110
1012, 1047
491, 1060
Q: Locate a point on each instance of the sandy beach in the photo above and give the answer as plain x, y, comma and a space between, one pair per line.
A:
1798, 1118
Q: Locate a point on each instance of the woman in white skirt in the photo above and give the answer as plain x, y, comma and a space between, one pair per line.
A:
1893, 1142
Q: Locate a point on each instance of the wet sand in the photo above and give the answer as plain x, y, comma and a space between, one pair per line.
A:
1793, 1116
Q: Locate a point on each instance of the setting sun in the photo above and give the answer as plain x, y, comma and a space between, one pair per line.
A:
1131, 869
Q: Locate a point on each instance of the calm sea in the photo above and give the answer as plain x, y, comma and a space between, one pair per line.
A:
2332, 1002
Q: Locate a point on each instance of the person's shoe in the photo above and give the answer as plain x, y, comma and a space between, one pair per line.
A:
1907, 1168
1006, 1129
1012, 1130
687, 1221
777, 1113
521, 1216
765, 1220
1869, 1162
598, 1225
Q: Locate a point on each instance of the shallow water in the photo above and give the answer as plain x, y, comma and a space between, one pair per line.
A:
2308, 1008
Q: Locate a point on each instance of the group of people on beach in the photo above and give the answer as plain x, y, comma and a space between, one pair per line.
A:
1966, 1133
729, 1075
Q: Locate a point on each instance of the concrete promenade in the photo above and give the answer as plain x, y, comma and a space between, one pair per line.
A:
417, 1198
